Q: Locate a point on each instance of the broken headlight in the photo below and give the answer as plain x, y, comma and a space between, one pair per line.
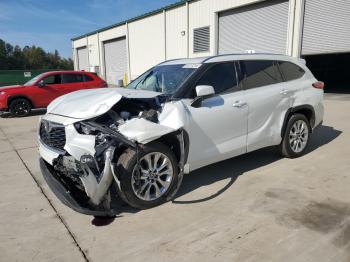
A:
84, 129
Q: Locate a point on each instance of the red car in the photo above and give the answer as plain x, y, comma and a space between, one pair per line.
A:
43, 89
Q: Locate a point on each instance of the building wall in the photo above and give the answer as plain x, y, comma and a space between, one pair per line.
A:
176, 24
146, 43
156, 38
205, 13
92, 44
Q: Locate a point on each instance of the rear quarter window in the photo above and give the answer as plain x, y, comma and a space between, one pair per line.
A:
258, 73
88, 78
290, 71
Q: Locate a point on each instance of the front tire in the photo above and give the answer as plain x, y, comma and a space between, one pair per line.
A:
153, 181
296, 136
20, 107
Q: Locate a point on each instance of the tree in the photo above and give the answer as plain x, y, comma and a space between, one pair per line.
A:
30, 58
3, 60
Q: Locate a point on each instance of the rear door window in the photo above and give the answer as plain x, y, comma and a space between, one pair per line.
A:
290, 71
258, 73
72, 78
222, 77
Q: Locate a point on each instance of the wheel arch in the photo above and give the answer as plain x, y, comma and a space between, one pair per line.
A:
306, 110
173, 141
12, 98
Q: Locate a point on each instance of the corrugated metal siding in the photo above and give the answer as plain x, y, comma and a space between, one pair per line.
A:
261, 27
326, 27
201, 39
83, 60
115, 57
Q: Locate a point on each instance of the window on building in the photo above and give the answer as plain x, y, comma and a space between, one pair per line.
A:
201, 39
260, 73
290, 71
222, 77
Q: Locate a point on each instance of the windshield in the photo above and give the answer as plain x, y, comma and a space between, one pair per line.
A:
33, 80
165, 79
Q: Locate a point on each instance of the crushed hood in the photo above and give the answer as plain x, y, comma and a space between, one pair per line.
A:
86, 104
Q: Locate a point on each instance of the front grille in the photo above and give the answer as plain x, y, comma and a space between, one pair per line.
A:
52, 134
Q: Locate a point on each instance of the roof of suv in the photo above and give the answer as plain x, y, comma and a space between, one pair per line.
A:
230, 57
68, 72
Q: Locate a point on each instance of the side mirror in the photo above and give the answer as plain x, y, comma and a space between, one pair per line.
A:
41, 83
202, 92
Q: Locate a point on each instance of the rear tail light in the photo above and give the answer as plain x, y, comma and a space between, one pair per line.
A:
318, 85
104, 84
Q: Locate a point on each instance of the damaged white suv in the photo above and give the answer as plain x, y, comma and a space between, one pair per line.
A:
136, 143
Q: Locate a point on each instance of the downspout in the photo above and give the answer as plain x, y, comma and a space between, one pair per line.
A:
88, 50
188, 28
128, 50
165, 42
99, 53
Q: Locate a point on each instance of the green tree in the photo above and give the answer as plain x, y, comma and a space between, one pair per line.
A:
3, 58
30, 58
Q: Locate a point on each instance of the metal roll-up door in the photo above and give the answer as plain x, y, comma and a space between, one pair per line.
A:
83, 60
115, 55
326, 27
260, 27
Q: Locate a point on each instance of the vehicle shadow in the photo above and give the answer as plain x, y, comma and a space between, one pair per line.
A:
235, 167
231, 168
35, 112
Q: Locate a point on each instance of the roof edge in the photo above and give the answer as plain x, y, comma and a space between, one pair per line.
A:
159, 10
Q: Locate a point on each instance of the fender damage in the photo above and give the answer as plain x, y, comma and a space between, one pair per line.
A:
82, 175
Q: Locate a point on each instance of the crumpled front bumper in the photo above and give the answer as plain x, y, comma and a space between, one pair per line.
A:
69, 195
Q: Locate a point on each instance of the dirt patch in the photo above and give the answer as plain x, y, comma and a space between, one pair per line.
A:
292, 209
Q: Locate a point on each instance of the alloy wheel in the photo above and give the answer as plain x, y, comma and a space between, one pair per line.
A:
152, 177
298, 136
21, 108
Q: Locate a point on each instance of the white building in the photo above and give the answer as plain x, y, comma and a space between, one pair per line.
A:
191, 28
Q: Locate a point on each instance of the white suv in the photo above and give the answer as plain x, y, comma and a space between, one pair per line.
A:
137, 142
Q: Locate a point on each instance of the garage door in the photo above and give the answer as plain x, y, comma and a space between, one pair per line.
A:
326, 27
83, 60
115, 56
260, 27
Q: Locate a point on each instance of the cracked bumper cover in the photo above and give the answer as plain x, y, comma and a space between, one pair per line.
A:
66, 194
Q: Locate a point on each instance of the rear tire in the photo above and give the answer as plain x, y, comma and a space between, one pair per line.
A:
296, 136
153, 181
20, 107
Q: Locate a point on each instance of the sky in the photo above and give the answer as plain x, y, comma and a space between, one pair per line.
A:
51, 24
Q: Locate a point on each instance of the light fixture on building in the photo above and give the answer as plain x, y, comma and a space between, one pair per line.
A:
183, 33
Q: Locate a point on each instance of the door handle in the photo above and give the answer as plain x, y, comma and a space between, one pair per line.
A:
284, 92
239, 104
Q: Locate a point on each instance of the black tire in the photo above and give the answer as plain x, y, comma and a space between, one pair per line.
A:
287, 148
125, 169
20, 107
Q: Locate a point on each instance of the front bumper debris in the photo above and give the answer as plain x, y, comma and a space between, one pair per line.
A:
69, 195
